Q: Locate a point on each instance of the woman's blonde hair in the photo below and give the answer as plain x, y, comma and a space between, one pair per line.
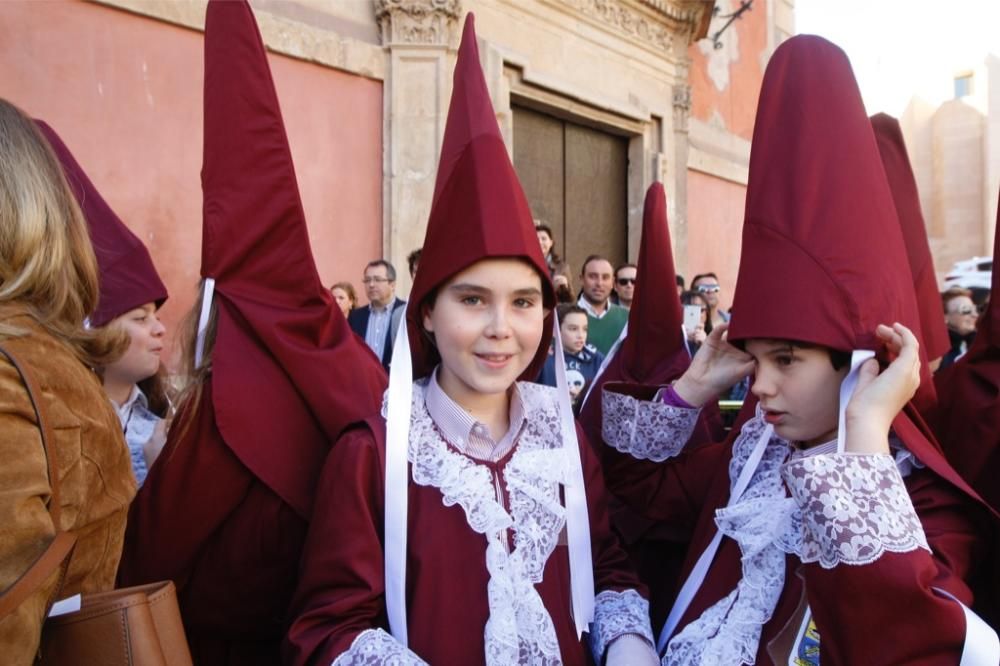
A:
47, 263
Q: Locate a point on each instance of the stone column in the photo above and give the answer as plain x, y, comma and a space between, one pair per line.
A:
417, 35
675, 178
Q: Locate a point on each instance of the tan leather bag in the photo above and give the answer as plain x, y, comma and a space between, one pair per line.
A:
134, 626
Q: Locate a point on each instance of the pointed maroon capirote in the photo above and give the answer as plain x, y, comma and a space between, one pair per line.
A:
967, 418
655, 315
128, 278
288, 375
653, 351
903, 185
932, 334
823, 259
822, 251
478, 211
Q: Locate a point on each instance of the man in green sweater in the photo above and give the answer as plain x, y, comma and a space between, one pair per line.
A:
605, 319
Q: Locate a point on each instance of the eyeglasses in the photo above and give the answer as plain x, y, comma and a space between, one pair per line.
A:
967, 310
625, 281
375, 280
707, 288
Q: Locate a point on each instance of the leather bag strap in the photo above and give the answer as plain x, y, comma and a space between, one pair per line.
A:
62, 545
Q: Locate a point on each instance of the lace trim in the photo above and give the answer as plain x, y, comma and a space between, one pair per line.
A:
519, 629
729, 631
844, 508
374, 647
645, 429
854, 508
615, 615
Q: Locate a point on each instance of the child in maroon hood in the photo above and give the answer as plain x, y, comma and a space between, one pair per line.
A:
831, 529
467, 524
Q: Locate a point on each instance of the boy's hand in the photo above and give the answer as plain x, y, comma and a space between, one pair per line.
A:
717, 366
878, 398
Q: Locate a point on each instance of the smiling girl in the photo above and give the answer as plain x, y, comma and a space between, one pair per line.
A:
131, 292
831, 528
467, 524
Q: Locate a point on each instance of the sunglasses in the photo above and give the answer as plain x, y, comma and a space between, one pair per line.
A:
707, 288
626, 281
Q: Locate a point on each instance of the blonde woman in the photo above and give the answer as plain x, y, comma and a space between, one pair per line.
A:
343, 294
48, 285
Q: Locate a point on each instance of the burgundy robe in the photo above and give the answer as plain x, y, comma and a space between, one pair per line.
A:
881, 613
229, 543
341, 590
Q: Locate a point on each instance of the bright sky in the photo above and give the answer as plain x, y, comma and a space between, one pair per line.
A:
902, 48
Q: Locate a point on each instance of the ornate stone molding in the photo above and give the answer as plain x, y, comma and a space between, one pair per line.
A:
627, 20
424, 22
654, 23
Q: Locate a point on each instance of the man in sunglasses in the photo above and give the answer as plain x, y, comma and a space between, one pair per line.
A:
707, 284
960, 316
625, 284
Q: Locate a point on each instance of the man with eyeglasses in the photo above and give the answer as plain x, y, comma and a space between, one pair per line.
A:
960, 316
625, 284
707, 284
378, 321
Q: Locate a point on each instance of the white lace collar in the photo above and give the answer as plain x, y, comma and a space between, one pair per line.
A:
519, 628
768, 524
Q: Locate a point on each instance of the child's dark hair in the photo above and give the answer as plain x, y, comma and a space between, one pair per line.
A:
565, 309
838, 359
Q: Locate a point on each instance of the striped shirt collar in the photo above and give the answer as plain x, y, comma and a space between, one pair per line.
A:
469, 436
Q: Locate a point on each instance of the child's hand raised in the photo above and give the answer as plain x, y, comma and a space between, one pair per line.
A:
717, 366
878, 398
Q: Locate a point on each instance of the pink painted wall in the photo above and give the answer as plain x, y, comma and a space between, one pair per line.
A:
715, 206
736, 104
125, 93
715, 227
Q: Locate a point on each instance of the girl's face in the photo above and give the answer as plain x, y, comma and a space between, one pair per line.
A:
343, 300
487, 323
798, 389
142, 359
545, 241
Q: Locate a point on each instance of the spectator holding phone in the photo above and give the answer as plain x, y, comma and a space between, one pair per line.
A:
696, 323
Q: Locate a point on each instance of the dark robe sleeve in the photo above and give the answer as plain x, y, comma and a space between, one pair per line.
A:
887, 611
612, 570
674, 484
341, 590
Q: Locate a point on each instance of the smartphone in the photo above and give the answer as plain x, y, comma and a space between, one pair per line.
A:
692, 318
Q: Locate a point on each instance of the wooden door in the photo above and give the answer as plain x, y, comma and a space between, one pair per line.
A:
575, 178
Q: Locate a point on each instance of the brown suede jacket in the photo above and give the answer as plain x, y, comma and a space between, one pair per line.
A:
95, 477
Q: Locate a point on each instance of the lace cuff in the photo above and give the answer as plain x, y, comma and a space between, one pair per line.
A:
375, 647
645, 429
854, 508
615, 615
